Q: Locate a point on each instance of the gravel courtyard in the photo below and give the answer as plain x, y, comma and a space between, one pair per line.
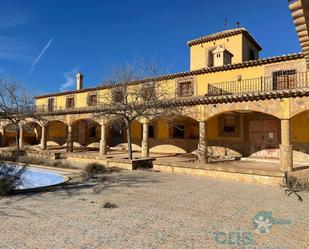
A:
155, 210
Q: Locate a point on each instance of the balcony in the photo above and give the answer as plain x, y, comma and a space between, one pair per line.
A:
283, 80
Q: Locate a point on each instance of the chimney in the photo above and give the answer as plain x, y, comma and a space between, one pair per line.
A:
79, 81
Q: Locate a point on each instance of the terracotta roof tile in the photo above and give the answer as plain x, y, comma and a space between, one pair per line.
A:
224, 34
263, 61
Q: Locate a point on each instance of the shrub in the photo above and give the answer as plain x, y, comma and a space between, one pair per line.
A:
11, 177
296, 183
95, 168
109, 205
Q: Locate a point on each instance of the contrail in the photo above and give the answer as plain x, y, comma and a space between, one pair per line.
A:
38, 58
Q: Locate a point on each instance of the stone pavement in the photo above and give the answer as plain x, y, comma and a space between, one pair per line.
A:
155, 210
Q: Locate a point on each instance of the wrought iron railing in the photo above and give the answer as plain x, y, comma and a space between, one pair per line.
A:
284, 81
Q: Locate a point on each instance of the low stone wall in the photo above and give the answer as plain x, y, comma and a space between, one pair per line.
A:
82, 161
272, 179
12, 153
43, 154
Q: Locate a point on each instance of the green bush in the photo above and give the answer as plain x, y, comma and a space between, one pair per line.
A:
10, 178
95, 168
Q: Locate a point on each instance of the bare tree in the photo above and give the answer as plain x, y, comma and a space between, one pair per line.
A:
128, 98
16, 105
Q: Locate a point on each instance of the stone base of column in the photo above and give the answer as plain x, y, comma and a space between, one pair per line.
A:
103, 147
70, 146
286, 158
145, 150
202, 156
43, 144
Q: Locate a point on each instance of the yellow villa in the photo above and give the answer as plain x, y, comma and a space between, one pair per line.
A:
244, 106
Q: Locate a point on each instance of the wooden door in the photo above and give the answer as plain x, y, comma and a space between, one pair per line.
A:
264, 138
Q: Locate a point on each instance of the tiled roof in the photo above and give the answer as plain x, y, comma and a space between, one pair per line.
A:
203, 100
224, 34
263, 61
300, 13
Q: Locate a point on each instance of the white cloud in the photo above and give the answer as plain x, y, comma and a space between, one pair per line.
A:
70, 80
13, 48
38, 58
11, 17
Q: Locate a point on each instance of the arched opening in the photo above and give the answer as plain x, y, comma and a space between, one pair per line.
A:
56, 134
32, 134
9, 135
177, 135
117, 135
86, 133
300, 136
243, 133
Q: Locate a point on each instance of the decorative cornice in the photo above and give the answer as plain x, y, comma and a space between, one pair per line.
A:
224, 34
203, 100
251, 63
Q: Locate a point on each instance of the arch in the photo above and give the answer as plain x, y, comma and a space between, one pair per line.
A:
56, 133
8, 138
86, 133
32, 133
243, 133
300, 136
173, 135
299, 105
117, 137
272, 107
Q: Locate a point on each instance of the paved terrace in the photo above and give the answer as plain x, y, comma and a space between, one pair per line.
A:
189, 160
155, 210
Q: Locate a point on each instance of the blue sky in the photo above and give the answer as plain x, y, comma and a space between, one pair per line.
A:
43, 43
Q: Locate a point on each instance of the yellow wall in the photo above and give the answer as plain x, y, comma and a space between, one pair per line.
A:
213, 130
300, 127
226, 76
162, 129
169, 86
136, 129
198, 52
56, 129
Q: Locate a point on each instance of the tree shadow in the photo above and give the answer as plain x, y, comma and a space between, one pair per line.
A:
78, 186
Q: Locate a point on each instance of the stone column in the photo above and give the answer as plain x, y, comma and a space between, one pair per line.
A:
2, 141
70, 139
43, 138
21, 137
103, 141
202, 147
145, 147
286, 150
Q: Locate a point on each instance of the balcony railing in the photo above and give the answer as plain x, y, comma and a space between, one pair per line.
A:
285, 80
262, 84
50, 108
